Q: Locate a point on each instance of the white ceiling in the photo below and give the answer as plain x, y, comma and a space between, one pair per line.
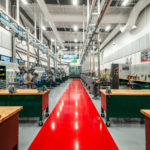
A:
66, 16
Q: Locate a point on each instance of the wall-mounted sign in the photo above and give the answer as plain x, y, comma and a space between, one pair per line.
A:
70, 58
145, 56
5, 58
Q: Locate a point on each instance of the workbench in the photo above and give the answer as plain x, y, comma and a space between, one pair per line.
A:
124, 103
33, 102
9, 130
147, 127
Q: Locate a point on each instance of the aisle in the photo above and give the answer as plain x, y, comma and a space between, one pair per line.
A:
74, 124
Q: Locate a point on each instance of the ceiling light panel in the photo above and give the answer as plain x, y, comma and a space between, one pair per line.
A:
44, 28
75, 40
75, 28
75, 2
108, 28
24, 2
125, 2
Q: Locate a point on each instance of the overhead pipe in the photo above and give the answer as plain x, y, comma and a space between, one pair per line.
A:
88, 9
99, 21
134, 15
18, 10
90, 17
102, 16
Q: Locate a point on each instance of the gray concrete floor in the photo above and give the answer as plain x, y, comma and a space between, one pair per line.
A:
128, 134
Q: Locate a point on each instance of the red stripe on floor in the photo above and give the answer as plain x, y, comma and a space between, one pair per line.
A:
74, 124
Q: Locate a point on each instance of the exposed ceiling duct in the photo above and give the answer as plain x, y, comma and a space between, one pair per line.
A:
134, 15
49, 19
111, 35
131, 21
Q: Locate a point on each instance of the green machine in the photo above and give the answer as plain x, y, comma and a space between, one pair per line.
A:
2, 77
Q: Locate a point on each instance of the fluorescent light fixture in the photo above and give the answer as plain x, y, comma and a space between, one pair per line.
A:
57, 47
125, 2
52, 40
113, 43
76, 47
108, 28
100, 40
134, 27
44, 28
75, 2
24, 2
75, 40
75, 28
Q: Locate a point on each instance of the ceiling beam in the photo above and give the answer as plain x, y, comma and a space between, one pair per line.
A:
50, 20
109, 18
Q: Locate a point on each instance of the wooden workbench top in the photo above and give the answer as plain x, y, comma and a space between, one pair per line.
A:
23, 92
123, 79
8, 111
145, 112
127, 92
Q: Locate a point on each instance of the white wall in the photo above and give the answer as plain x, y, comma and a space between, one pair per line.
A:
128, 46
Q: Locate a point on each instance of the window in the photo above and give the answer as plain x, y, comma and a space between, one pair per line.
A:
17, 61
5, 58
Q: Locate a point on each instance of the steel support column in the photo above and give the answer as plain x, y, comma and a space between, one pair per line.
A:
98, 56
41, 25
28, 55
93, 61
35, 30
13, 49
90, 62
55, 56
7, 6
18, 10
38, 56
48, 59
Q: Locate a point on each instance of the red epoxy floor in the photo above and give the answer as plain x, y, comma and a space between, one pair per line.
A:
74, 124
